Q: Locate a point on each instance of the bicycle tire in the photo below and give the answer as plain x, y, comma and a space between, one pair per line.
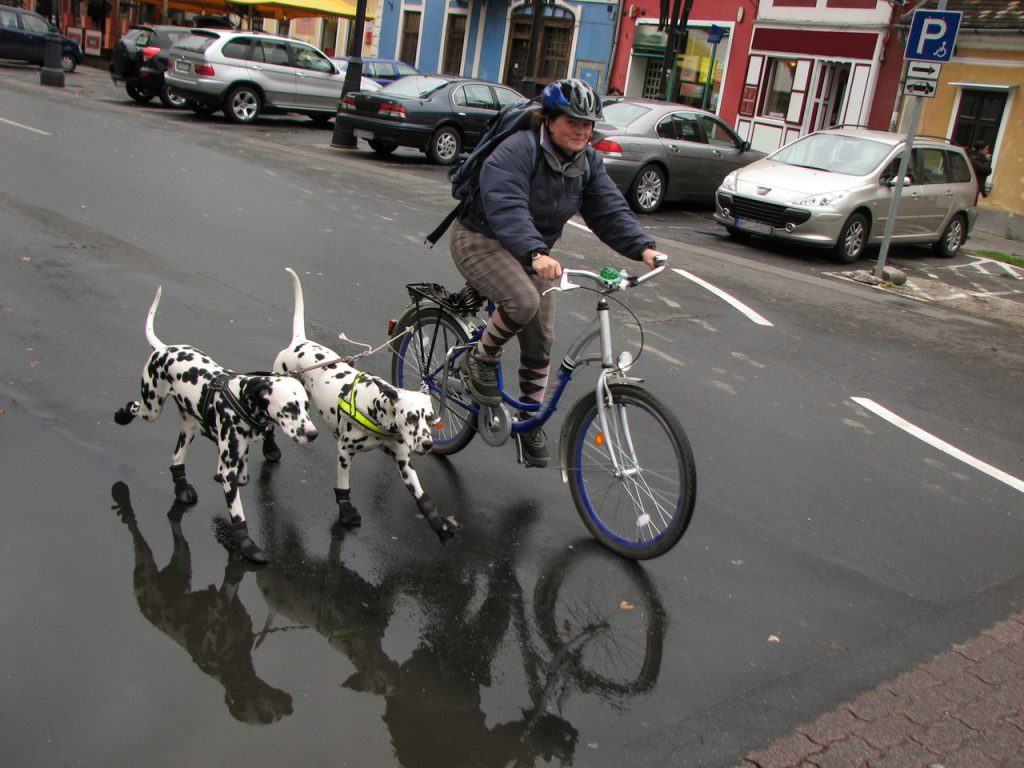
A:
411, 369
612, 604
642, 513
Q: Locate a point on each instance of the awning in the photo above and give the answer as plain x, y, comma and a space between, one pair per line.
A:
297, 9
274, 9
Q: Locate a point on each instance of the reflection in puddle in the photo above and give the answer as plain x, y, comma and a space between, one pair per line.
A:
589, 626
211, 624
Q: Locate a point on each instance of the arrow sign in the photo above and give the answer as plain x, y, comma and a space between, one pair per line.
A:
923, 71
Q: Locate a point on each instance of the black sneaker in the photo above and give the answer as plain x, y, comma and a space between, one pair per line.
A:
533, 447
481, 376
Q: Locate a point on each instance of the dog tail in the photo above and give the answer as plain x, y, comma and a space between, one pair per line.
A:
299, 316
154, 342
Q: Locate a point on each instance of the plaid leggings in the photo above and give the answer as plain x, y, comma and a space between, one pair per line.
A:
521, 311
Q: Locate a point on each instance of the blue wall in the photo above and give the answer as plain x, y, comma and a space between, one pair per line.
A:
595, 34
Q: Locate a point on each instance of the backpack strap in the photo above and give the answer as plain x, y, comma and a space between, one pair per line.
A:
441, 228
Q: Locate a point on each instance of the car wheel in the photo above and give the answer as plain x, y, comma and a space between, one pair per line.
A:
952, 238
170, 99
383, 148
853, 239
199, 108
67, 62
141, 95
445, 146
243, 104
647, 191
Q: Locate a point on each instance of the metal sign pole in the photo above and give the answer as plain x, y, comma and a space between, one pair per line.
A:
894, 204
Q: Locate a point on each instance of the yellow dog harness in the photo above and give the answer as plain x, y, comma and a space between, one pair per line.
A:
349, 409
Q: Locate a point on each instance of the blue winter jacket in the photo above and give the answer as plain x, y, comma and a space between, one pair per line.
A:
525, 200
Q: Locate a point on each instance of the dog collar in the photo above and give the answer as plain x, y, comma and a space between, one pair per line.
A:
219, 384
350, 410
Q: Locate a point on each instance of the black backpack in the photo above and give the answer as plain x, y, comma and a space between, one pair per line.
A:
465, 177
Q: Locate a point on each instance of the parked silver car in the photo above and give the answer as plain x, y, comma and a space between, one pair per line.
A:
833, 188
247, 74
655, 152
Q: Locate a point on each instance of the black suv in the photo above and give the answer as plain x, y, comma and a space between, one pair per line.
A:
140, 60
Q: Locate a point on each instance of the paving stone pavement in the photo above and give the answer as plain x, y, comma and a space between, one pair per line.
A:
962, 709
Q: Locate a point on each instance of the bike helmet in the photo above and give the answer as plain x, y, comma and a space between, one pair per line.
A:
574, 98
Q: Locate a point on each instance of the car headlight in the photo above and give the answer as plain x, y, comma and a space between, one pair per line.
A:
729, 182
826, 200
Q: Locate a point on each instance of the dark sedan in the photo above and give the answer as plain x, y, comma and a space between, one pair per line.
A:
23, 37
437, 114
656, 152
140, 61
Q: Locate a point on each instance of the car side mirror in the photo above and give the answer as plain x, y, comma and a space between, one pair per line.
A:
891, 181
744, 146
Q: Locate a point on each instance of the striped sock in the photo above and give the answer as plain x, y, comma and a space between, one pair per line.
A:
500, 328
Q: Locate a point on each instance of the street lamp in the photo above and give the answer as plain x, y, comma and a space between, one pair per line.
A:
52, 72
343, 137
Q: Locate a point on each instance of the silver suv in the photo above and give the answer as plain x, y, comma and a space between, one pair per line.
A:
833, 188
247, 74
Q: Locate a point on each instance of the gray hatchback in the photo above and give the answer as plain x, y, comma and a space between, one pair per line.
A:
247, 74
833, 189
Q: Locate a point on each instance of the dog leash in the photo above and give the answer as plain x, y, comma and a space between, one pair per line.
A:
350, 359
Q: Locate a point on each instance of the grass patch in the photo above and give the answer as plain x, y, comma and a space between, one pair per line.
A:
1006, 258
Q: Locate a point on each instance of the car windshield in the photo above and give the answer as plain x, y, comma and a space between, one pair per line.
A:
196, 41
835, 153
622, 113
417, 86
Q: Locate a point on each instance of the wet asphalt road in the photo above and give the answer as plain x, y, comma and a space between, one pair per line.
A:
828, 551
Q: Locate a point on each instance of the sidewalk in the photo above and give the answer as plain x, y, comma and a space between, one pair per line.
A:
962, 709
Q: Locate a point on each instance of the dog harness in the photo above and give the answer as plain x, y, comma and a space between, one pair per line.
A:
219, 384
350, 410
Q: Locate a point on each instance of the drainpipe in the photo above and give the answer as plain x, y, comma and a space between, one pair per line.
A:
613, 47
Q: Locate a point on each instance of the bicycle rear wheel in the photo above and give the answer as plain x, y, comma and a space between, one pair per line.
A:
419, 363
641, 509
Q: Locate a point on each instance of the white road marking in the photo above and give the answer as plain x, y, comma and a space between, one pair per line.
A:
26, 127
1003, 477
575, 223
736, 303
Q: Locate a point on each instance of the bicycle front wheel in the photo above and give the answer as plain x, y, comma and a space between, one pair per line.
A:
641, 504
419, 362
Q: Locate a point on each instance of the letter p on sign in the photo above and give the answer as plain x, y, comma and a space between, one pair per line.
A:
932, 36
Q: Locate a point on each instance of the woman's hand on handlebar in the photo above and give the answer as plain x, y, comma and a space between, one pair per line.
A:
653, 258
546, 267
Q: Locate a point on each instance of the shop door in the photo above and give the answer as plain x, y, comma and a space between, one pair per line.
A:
829, 95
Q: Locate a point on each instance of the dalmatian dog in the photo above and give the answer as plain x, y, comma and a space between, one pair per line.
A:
365, 412
229, 408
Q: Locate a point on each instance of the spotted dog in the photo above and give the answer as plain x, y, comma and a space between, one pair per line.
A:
231, 409
365, 412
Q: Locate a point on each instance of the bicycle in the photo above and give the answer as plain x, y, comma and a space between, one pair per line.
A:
625, 456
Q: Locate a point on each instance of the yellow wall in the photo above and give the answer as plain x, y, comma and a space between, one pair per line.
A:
997, 67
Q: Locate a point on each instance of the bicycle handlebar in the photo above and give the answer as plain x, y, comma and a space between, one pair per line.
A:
608, 278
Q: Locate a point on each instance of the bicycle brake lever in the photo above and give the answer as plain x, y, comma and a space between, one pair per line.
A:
564, 284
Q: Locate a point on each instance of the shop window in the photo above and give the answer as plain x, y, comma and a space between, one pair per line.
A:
454, 40
979, 117
780, 87
410, 37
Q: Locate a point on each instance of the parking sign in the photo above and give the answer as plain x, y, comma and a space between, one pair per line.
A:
932, 36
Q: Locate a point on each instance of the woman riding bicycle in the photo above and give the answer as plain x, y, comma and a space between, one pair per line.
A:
530, 186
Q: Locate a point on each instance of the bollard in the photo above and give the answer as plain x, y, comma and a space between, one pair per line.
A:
52, 72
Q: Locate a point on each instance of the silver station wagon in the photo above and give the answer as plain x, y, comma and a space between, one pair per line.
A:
833, 189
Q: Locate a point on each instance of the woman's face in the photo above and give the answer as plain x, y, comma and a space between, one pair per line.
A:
570, 133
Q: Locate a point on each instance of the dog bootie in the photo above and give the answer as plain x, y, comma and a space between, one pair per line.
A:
271, 450
347, 514
183, 491
238, 537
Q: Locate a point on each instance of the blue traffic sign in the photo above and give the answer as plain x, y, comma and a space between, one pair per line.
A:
932, 36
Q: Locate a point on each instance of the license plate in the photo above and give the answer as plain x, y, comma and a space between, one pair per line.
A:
182, 66
363, 134
756, 227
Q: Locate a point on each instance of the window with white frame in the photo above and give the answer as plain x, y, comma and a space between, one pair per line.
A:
779, 88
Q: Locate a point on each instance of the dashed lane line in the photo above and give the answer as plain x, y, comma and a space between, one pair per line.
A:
25, 127
1016, 483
